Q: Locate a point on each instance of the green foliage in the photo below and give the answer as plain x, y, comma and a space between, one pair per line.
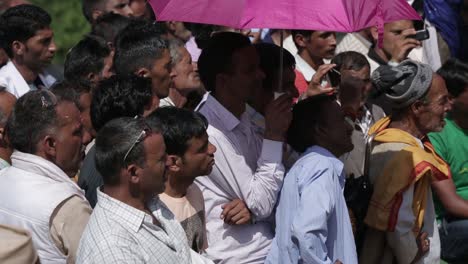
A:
68, 23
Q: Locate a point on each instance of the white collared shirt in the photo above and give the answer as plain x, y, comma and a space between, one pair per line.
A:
247, 167
13, 81
304, 68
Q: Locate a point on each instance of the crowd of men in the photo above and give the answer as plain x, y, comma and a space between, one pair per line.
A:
165, 142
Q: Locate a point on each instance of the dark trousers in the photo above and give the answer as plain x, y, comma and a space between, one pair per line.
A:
454, 241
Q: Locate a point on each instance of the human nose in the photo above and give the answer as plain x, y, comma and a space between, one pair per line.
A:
128, 11
52, 47
333, 39
211, 149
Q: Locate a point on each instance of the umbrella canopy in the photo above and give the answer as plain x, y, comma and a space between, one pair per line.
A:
326, 15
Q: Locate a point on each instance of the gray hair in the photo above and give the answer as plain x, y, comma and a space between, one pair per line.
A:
174, 49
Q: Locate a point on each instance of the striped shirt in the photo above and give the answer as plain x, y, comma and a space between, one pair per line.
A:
119, 233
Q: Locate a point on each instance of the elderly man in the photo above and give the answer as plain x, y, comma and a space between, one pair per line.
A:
7, 101
184, 74
129, 223
29, 43
36, 192
404, 165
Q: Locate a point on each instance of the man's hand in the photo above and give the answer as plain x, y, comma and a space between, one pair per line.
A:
278, 117
315, 85
235, 213
403, 45
338, 262
423, 246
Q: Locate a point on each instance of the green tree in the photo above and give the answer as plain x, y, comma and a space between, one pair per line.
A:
68, 23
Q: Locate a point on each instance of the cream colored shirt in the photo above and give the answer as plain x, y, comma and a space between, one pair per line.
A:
67, 225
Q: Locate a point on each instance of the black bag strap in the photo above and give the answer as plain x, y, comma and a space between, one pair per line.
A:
369, 145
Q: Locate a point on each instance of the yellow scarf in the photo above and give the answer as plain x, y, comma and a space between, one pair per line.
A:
411, 165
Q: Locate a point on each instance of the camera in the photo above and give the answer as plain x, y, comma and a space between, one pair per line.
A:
420, 35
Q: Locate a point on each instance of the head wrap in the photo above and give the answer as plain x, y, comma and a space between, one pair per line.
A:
404, 84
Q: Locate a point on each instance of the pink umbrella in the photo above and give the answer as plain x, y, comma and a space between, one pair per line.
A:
327, 15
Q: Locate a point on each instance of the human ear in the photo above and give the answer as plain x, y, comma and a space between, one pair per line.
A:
143, 72
417, 107
300, 40
96, 14
49, 144
174, 163
18, 47
134, 175
374, 33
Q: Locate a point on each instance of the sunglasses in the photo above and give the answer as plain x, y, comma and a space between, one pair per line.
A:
143, 134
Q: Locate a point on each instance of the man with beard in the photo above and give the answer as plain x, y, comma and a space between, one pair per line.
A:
404, 166
313, 48
30, 46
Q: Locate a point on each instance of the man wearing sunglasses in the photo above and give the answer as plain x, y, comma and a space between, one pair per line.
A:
129, 223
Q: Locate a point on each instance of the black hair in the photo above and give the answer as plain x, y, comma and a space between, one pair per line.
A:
70, 90
88, 6
33, 116
21, 23
119, 96
216, 57
108, 26
270, 61
112, 143
307, 114
86, 57
178, 126
305, 33
455, 74
348, 60
63, 91
138, 45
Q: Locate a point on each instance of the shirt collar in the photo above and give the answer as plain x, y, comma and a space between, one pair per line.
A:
304, 68
124, 213
228, 120
337, 164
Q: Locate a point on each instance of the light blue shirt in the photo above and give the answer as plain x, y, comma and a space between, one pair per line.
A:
312, 220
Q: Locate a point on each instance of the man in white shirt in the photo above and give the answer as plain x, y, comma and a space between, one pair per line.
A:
248, 170
36, 191
30, 46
